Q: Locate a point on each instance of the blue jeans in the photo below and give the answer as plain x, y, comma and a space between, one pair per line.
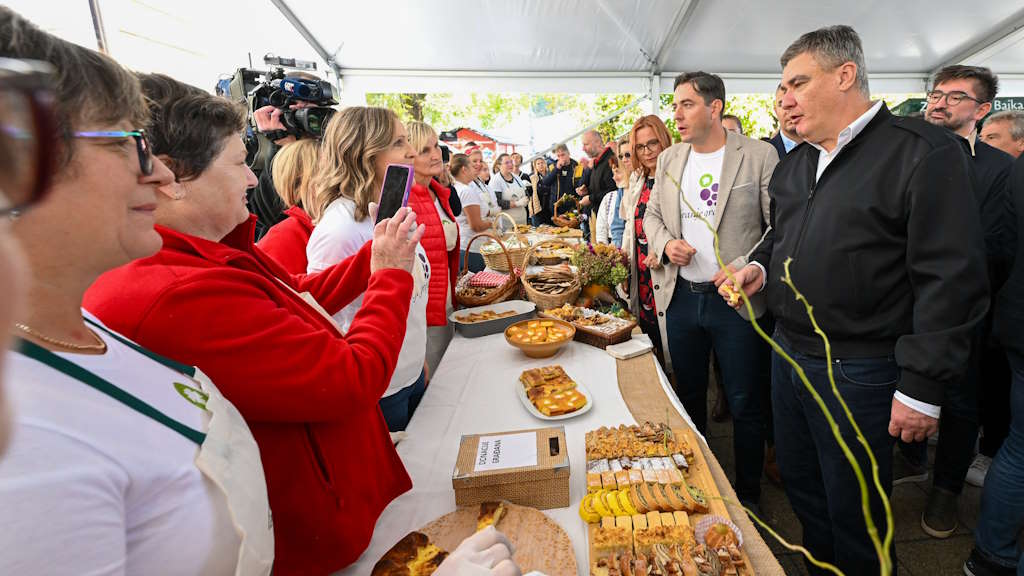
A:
476, 261
696, 322
398, 407
818, 479
1002, 501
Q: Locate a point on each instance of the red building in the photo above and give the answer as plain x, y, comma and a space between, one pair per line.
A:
458, 138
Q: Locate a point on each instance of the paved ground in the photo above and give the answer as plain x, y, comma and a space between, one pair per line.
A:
918, 554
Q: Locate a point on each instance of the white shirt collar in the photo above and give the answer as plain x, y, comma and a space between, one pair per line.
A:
850, 132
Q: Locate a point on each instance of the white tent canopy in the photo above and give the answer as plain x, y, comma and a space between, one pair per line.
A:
585, 46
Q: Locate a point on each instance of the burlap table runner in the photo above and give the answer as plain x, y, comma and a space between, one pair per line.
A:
644, 396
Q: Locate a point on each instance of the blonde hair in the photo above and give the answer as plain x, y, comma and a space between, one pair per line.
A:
347, 167
293, 169
419, 134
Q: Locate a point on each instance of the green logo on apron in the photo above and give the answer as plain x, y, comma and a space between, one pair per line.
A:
194, 395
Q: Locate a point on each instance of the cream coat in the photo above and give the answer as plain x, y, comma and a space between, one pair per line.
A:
743, 206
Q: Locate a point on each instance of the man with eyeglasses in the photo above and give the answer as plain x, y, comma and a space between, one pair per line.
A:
960, 97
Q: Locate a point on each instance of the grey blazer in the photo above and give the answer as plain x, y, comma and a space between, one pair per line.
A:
742, 209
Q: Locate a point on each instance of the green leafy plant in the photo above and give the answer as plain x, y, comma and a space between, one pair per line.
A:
600, 264
882, 546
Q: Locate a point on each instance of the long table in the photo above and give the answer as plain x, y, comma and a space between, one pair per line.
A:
474, 391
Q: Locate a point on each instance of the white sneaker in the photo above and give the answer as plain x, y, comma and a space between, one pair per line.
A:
979, 468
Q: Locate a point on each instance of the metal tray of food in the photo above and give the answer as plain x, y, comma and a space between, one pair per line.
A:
470, 324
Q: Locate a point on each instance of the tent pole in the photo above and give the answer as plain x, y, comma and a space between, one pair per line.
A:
97, 26
654, 94
301, 28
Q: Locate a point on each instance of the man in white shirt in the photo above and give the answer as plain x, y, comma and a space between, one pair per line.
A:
786, 138
715, 181
872, 221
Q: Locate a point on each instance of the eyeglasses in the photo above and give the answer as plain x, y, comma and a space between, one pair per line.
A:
653, 146
141, 145
27, 133
624, 156
952, 98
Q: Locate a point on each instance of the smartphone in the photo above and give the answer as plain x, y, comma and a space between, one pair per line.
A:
446, 154
394, 194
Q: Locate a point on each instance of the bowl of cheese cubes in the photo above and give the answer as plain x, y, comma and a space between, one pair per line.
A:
540, 338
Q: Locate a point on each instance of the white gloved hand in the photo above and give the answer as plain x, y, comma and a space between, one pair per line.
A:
486, 553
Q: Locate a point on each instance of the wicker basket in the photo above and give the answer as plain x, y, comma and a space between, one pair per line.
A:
562, 220
547, 301
497, 261
597, 339
492, 295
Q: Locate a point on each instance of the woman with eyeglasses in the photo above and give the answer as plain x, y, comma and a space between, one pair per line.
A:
649, 137
210, 297
123, 461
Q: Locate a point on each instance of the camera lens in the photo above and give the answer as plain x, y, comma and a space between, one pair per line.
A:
278, 99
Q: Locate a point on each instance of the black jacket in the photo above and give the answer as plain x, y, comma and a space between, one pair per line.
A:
559, 181
780, 146
886, 246
1009, 303
991, 175
601, 181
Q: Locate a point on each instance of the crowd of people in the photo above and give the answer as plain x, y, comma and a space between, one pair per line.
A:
176, 385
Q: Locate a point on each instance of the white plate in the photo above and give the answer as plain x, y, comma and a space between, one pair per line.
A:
521, 392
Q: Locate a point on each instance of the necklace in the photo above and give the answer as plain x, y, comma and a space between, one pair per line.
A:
100, 345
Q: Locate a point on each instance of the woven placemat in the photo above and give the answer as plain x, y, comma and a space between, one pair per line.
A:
641, 389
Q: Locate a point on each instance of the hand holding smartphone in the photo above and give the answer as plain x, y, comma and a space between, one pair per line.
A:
394, 193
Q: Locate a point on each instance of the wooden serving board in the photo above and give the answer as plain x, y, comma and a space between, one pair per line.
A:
540, 543
699, 475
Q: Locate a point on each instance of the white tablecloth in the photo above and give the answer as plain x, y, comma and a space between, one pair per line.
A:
474, 391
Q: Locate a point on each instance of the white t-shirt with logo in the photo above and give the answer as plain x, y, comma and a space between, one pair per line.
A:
91, 486
337, 236
701, 189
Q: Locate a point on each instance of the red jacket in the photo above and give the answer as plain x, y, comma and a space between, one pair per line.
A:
286, 241
442, 286
309, 396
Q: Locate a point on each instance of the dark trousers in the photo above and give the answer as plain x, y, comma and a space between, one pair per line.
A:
476, 261
958, 429
818, 479
399, 407
696, 323
993, 399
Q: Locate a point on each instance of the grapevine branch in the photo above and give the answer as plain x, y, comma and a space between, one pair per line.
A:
881, 548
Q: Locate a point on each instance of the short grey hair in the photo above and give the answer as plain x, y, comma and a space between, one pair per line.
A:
561, 147
832, 47
593, 132
1015, 119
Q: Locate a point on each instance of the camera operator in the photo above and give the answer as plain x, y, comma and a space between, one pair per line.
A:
277, 124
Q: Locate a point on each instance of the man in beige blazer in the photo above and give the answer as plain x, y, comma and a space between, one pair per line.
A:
724, 176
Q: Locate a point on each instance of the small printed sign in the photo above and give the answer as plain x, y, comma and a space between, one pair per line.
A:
506, 451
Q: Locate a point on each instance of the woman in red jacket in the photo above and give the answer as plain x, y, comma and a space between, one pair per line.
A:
441, 240
293, 168
308, 393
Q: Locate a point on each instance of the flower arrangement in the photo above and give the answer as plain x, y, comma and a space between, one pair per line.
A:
602, 264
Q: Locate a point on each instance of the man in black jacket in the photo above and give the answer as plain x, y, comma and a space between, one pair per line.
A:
786, 138
960, 97
560, 177
600, 180
887, 247
996, 550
